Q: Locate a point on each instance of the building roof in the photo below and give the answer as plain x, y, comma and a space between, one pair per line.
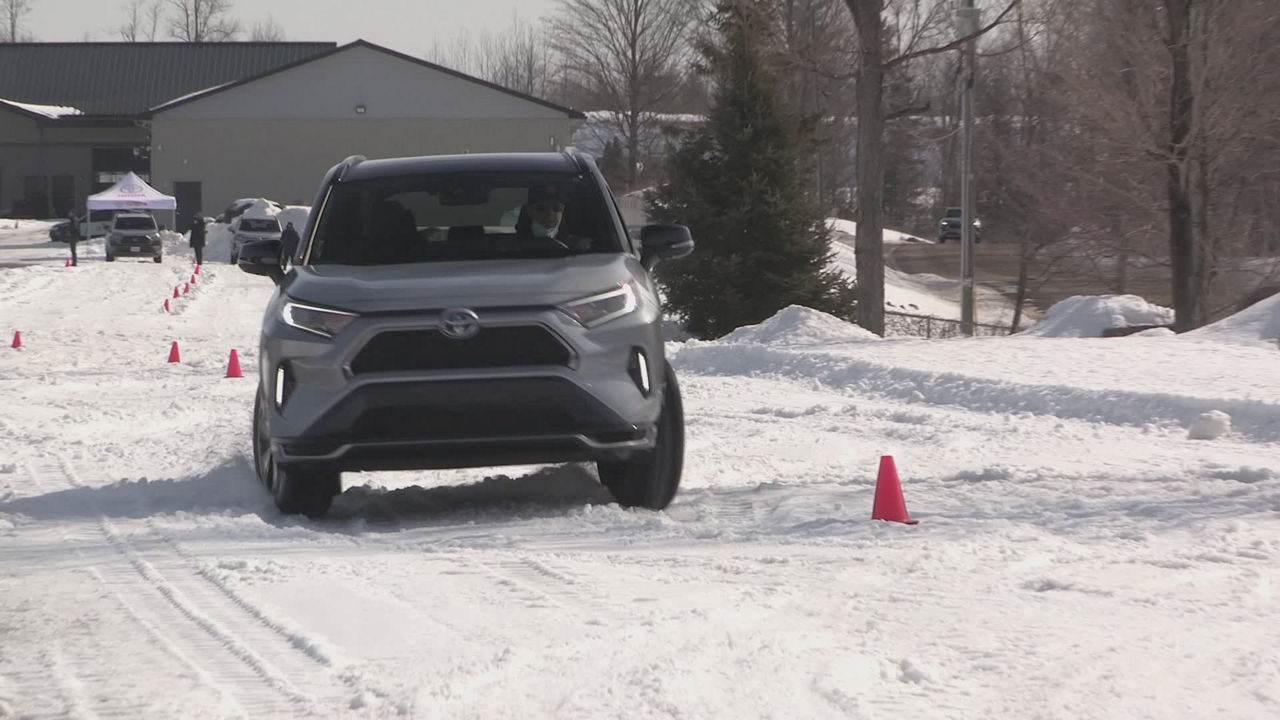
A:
191, 97
100, 78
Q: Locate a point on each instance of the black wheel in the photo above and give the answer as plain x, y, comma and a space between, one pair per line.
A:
650, 478
111, 258
297, 489
158, 258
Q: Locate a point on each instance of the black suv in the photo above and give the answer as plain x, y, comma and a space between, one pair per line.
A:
465, 311
949, 226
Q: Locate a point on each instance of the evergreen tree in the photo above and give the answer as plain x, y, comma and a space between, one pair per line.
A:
736, 182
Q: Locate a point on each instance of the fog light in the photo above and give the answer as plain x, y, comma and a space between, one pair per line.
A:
284, 384
638, 368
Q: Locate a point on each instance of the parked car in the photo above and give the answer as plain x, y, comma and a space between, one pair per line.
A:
133, 234
416, 329
949, 226
96, 223
238, 206
250, 229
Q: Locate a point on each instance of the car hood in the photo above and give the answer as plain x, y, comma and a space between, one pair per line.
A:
474, 284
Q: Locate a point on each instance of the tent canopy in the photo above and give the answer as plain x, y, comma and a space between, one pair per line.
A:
131, 192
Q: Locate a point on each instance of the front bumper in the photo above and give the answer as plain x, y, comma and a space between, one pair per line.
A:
391, 395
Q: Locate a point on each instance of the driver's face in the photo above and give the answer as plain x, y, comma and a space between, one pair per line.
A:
547, 214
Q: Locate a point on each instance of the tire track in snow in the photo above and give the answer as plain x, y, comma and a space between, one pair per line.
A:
54, 663
236, 668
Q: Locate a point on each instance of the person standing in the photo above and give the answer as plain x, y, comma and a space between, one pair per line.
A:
197, 237
288, 243
73, 236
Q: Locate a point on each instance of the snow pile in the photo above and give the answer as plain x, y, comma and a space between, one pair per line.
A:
799, 325
1209, 426
49, 111
1089, 316
891, 237
1258, 322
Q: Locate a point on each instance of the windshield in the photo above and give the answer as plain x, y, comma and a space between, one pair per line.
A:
259, 225
135, 222
458, 216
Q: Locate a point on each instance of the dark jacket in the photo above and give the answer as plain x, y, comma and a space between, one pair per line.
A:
288, 242
197, 234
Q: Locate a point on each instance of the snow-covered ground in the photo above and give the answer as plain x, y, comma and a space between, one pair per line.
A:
1078, 554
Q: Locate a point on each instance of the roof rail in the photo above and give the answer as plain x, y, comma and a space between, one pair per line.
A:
349, 163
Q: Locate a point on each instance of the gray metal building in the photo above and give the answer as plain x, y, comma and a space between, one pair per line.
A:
212, 122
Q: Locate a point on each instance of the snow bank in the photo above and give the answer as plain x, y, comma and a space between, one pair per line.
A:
891, 237
1258, 322
1089, 315
799, 325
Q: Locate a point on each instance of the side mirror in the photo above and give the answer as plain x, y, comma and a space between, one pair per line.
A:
664, 242
262, 257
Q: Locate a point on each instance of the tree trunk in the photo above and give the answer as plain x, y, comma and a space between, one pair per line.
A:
1182, 250
869, 241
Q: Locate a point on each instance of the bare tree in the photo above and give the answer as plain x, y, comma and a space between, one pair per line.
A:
876, 58
517, 58
267, 31
628, 55
11, 12
203, 21
142, 21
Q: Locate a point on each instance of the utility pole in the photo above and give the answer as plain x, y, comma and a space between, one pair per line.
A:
967, 22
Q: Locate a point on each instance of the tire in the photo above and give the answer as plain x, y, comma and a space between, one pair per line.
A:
651, 478
296, 489
159, 259
111, 258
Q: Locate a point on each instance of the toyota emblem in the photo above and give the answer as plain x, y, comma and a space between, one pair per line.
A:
459, 324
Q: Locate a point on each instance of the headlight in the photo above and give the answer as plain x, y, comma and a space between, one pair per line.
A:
320, 321
602, 307
977, 224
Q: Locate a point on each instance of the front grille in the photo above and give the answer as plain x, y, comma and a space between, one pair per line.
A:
515, 346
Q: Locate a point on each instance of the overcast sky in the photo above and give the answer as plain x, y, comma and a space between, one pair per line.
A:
410, 26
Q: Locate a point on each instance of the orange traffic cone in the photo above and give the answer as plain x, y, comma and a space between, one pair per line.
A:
233, 365
17, 339
889, 504
166, 304
175, 291
173, 353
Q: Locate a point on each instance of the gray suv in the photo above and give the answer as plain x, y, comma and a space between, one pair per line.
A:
465, 311
133, 234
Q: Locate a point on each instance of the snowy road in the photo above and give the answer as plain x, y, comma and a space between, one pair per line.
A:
1077, 557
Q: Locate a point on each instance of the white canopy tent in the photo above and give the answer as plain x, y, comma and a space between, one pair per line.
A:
133, 193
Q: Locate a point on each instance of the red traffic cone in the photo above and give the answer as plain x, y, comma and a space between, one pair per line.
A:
197, 268
175, 291
166, 304
889, 504
68, 263
186, 288
193, 279
173, 353
233, 365
17, 339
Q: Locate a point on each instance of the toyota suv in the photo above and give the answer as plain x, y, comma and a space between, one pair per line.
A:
949, 226
133, 234
465, 311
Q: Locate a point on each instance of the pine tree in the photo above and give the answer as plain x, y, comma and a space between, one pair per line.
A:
737, 183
